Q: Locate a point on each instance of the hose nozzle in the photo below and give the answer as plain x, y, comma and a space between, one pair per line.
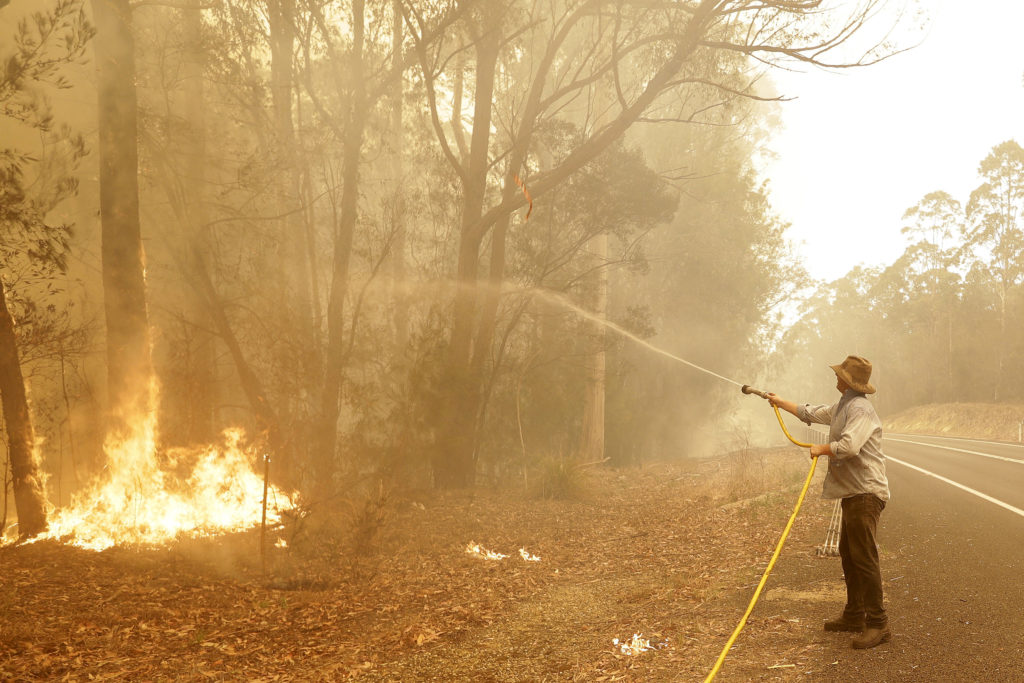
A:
747, 389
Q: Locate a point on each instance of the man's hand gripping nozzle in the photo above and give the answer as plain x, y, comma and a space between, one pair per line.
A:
747, 389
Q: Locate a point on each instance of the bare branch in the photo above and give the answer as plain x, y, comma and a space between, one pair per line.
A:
428, 78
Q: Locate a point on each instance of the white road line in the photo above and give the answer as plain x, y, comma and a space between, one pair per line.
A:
979, 494
958, 450
960, 438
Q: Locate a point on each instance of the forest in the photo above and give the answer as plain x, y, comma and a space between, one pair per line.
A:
276, 246
382, 238
299, 264
944, 319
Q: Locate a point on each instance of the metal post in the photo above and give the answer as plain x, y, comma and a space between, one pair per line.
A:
263, 522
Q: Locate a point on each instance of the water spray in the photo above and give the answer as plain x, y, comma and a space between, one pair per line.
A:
584, 313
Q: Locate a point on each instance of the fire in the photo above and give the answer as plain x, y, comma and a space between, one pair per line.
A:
523, 553
474, 548
145, 499
480, 551
635, 646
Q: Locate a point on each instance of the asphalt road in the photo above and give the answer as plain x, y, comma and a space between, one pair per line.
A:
952, 554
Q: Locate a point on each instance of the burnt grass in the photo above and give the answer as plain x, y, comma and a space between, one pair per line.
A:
387, 591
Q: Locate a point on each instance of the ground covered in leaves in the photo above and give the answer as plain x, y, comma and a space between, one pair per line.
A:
390, 593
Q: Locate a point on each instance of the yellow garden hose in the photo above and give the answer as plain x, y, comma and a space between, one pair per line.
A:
786, 431
778, 548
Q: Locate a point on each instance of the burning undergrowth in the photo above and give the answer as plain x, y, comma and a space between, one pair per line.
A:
146, 496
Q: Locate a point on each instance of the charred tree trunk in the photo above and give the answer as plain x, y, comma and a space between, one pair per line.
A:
129, 366
29, 496
297, 274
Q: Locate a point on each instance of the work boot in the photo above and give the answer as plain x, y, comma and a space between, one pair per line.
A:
844, 624
871, 637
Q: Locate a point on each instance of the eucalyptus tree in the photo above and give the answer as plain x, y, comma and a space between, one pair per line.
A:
943, 319
719, 271
652, 55
129, 366
995, 213
363, 66
33, 249
935, 229
538, 387
304, 94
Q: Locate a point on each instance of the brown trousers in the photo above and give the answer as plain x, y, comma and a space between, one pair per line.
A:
859, 554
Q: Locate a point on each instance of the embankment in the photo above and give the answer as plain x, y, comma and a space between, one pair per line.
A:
998, 422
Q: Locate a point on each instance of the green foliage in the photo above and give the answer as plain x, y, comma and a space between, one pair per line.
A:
28, 241
718, 270
35, 177
44, 43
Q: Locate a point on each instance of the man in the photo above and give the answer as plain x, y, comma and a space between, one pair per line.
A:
856, 473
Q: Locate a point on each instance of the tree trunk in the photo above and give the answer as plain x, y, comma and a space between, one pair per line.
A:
949, 351
29, 496
355, 123
454, 458
129, 367
400, 316
250, 382
200, 402
592, 432
296, 250
1000, 345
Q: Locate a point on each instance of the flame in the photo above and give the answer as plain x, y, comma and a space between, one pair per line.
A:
145, 499
527, 556
480, 551
635, 646
474, 548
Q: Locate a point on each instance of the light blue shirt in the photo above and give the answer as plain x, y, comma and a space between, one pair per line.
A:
857, 464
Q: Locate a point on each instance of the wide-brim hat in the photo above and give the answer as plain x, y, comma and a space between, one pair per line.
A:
855, 371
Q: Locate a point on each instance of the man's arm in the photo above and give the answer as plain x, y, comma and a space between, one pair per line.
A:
779, 402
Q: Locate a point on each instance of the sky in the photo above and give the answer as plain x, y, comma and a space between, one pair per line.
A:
860, 147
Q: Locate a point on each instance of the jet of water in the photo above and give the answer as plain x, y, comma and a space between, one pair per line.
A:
560, 300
